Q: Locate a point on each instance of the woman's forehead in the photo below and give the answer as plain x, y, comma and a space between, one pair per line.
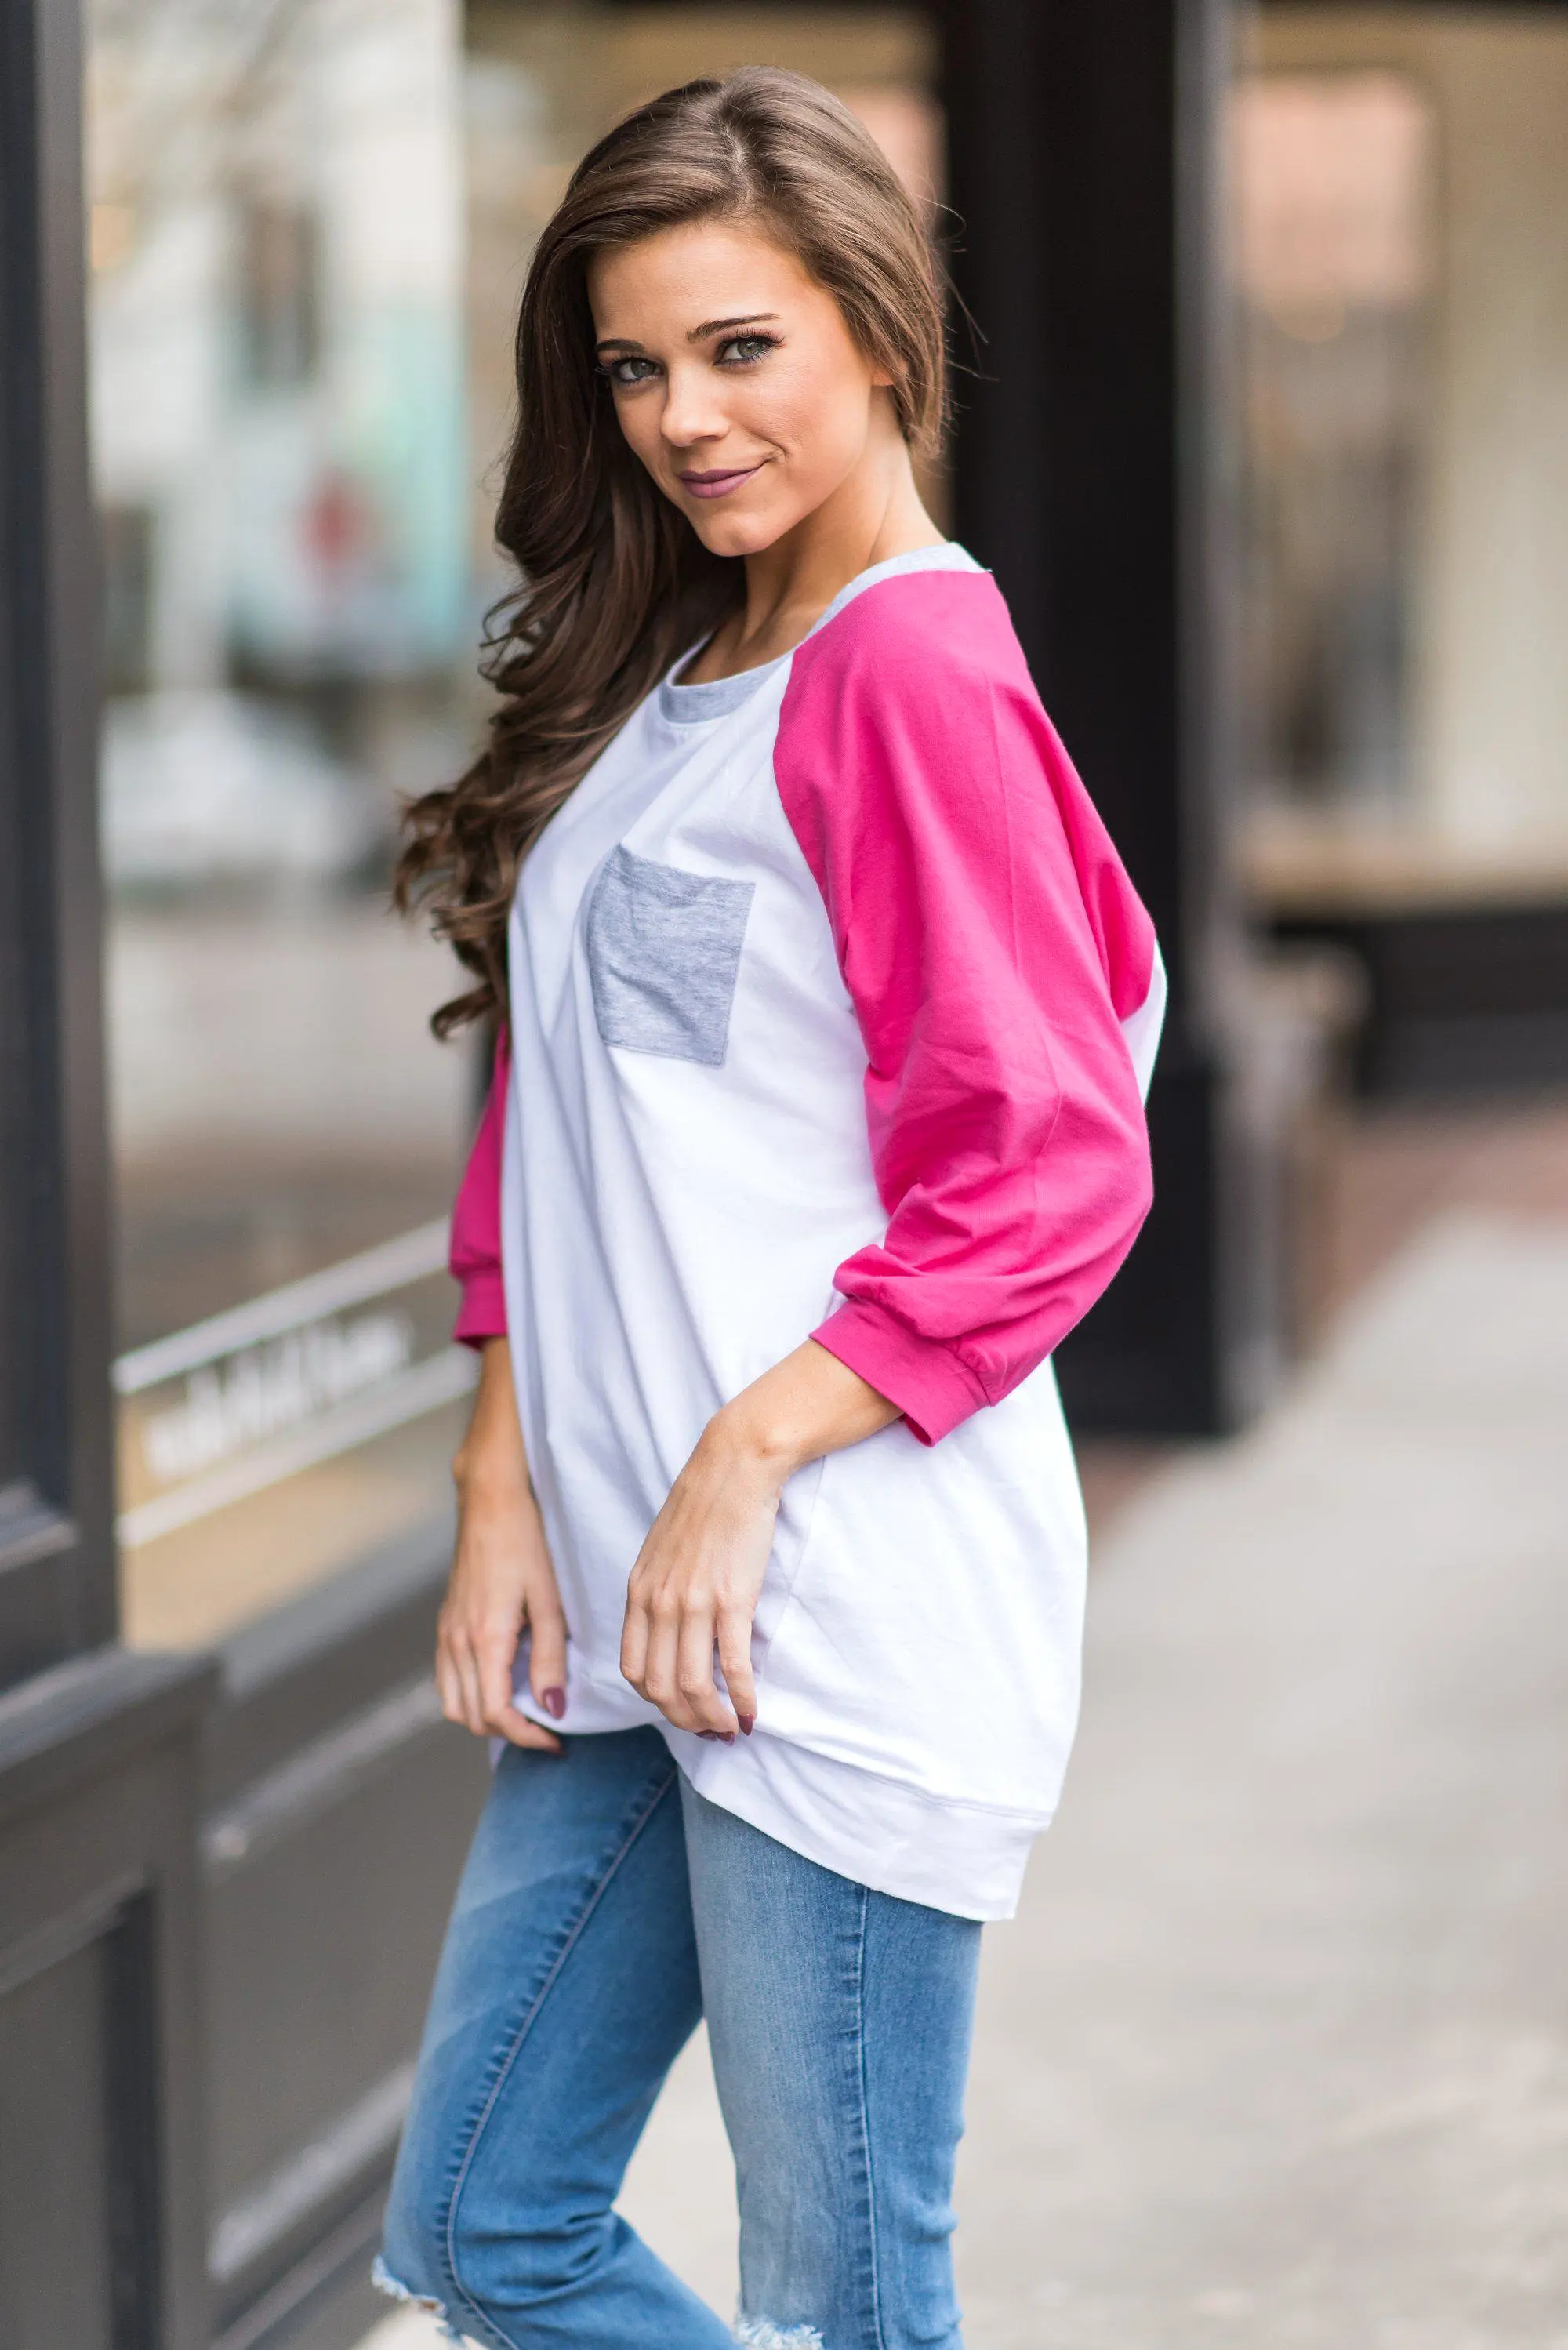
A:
689, 275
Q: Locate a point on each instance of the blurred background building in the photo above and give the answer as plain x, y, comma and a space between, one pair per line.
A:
1261, 318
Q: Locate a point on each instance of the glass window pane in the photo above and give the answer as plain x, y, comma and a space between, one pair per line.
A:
1335, 175
279, 445
1400, 183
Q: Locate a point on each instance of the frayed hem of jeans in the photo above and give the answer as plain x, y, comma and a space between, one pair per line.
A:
394, 2288
761, 2334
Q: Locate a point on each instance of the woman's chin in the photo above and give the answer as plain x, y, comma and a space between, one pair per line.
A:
737, 532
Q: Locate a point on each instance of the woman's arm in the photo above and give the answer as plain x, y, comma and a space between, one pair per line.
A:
993, 948
699, 1575
501, 1577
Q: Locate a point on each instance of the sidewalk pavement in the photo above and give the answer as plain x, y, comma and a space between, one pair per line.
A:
1276, 2054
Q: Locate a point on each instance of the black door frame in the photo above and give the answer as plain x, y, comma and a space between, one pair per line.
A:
56, 1542
99, 1750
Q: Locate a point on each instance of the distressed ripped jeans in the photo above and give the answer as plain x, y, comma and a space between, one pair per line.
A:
605, 1907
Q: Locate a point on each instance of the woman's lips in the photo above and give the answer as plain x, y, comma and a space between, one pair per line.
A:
716, 484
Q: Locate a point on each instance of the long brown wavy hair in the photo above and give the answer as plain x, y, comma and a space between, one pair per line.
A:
614, 584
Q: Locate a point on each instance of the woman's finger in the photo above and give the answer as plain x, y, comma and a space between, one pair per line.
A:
660, 1673
466, 1667
480, 1698
519, 1731
547, 1655
634, 1643
735, 1657
502, 1719
496, 1654
694, 1672
448, 1683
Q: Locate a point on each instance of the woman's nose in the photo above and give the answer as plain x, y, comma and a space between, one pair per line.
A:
692, 412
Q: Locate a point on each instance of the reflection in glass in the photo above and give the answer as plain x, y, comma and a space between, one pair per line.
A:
1333, 178
280, 446
1400, 183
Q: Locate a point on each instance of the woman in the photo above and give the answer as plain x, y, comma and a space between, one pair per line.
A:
829, 1009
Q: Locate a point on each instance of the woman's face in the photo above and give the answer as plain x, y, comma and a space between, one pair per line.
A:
735, 380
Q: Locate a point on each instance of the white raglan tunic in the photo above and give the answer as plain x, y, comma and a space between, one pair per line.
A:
832, 1011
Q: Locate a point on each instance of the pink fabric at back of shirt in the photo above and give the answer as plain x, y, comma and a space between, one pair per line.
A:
474, 1255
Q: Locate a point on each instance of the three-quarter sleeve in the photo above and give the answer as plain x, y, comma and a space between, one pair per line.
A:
993, 949
474, 1250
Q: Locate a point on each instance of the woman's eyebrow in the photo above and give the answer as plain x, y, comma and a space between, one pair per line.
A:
728, 325
694, 333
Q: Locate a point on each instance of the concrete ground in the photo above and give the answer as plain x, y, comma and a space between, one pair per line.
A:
1276, 2055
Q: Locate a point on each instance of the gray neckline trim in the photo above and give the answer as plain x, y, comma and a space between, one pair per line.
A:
695, 706
688, 705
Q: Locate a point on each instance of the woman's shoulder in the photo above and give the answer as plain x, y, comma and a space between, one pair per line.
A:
934, 632
916, 678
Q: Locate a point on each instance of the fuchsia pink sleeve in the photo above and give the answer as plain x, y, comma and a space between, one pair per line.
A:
474, 1252
992, 946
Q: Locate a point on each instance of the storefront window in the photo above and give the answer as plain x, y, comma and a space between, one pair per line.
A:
1399, 184
1335, 175
310, 221
281, 461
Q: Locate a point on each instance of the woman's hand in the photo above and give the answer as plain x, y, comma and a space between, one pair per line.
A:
502, 1578
696, 1585
698, 1577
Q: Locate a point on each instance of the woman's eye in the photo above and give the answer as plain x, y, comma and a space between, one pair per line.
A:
744, 351
631, 370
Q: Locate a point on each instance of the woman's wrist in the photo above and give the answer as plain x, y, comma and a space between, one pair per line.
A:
489, 1467
745, 1438
491, 1464
809, 1403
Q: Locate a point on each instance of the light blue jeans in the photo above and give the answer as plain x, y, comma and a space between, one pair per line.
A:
604, 1908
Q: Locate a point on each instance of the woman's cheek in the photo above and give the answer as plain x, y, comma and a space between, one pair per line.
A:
830, 445
642, 437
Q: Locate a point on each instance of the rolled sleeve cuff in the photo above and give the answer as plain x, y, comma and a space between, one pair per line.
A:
932, 1388
483, 1312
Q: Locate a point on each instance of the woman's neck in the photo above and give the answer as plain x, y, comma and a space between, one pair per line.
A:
874, 516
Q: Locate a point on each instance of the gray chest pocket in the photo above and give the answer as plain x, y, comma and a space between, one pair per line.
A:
664, 953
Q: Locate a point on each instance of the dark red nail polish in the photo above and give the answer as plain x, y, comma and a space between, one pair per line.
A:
555, 1703
748, 1723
